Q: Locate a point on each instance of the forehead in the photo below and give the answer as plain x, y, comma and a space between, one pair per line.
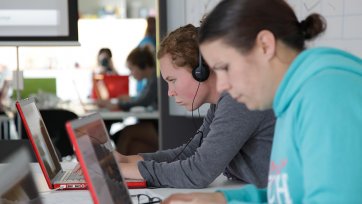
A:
219, 43
168, 68
217, 51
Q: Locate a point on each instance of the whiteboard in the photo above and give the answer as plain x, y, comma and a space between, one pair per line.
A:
344, 22
195, 10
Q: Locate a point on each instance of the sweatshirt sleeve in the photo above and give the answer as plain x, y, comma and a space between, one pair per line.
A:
170, 155
230, 127
248, 194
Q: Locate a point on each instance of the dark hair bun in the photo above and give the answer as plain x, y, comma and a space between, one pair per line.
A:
312, 26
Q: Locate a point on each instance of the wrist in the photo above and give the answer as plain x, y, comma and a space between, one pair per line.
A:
134, 158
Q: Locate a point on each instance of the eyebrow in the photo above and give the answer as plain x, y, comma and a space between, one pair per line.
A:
219, 67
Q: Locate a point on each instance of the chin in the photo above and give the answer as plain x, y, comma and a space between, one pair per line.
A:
189, 108
250, 106
257, 107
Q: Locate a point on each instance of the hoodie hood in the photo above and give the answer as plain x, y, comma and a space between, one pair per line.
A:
306, 65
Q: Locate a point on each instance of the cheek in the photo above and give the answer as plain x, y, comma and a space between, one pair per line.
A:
248, 83
222, 81
234, 79
186, 90
221, 77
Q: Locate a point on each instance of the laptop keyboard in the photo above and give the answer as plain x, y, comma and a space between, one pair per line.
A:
73, 176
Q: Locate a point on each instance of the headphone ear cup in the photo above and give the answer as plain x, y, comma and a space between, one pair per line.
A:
201, 72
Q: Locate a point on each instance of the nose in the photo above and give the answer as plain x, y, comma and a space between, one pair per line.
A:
222, 84
171, 92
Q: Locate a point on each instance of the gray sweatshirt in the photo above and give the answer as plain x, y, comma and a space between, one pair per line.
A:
235, 141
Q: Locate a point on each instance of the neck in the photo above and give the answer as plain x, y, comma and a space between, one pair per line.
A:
213, 96
284, 56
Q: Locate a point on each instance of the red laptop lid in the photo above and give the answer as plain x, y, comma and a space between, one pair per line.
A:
114, 85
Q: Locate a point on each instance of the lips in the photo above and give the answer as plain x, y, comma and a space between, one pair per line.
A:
236, 97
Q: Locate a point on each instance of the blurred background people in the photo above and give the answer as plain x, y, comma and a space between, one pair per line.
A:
105, 62
141, 63
142, 136
149, 40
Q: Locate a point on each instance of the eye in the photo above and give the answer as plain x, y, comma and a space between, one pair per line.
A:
171, 81
221, 68
225, 68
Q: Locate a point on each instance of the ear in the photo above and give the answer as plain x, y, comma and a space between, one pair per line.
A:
266, 41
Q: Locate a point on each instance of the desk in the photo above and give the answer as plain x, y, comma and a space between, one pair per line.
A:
84, 197
86, 109
117, 115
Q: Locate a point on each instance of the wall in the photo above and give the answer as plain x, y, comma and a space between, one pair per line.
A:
343, 22
117, 8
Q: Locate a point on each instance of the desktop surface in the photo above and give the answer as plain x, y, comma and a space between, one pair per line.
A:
83, 197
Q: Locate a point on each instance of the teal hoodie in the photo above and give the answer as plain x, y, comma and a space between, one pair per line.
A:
317, 148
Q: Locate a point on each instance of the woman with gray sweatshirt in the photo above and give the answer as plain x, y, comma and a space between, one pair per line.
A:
232, 140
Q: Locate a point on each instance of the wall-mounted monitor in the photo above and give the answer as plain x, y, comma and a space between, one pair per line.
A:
38, 22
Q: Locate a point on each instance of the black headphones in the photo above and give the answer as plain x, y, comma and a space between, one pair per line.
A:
201, 72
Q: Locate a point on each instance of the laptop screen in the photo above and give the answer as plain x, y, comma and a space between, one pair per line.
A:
40, 137
96, 151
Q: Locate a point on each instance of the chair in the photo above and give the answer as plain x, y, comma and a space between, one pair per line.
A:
7, 147
55, 120
139, 138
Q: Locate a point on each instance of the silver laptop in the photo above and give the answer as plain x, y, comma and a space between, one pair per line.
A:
55, 176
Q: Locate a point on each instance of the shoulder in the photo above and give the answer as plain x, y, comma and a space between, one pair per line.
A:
330, 85
329, 97
147, 40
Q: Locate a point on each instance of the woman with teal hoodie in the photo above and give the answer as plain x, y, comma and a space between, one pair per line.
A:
257, 49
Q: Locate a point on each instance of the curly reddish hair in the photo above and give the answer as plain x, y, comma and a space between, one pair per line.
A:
182, 44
